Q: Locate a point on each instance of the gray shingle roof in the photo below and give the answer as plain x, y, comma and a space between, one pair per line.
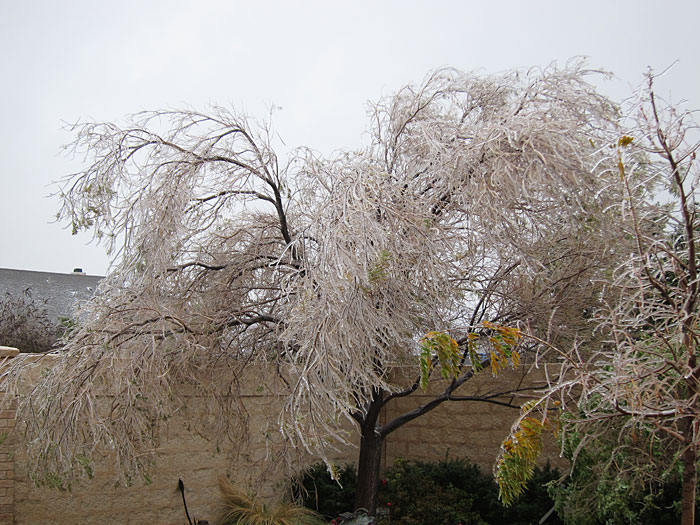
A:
61, 292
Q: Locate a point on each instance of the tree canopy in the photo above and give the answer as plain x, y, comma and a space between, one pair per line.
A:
478, 198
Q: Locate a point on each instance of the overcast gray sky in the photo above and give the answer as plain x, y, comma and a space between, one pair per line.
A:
64, 61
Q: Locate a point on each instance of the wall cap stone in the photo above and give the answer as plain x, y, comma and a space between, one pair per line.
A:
8, 351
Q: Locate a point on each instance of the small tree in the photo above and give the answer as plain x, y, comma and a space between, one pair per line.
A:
640, 389
478, 199
25, 324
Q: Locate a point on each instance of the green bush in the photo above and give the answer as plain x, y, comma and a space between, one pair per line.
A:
317, 491
436, 493
456, 491
416, 493
597, 491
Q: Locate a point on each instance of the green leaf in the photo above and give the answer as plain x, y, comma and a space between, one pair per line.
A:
445, 349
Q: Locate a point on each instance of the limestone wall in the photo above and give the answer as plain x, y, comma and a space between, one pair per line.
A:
182, 454
7, 450
474, 430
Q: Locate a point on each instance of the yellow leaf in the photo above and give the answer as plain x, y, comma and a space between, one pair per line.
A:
625, 141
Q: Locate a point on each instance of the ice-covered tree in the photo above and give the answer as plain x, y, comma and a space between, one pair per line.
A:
636, 394
478, 198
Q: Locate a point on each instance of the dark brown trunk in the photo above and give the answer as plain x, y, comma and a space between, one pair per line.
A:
368, 470
369, 463
690, 455
690, 480
373, 436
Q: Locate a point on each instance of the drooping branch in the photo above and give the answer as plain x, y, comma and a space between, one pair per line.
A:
477, 198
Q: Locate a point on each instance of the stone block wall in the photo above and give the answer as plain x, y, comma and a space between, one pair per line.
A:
7, 451
455, 429
182, 454
101, 500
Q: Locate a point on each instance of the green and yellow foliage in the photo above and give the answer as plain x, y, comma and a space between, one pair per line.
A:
516, 465
438, 349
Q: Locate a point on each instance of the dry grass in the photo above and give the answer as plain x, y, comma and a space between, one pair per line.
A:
243, 510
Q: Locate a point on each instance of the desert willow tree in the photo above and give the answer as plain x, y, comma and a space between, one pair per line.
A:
639, 390
478, 199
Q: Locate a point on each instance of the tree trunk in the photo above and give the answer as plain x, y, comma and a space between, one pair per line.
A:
368, 470
369, 463
690, 480
373, 436
690, 455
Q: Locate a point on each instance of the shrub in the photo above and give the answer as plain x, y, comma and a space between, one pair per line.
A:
25, 324
438, 493
596, 492
317, 491
455, 491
